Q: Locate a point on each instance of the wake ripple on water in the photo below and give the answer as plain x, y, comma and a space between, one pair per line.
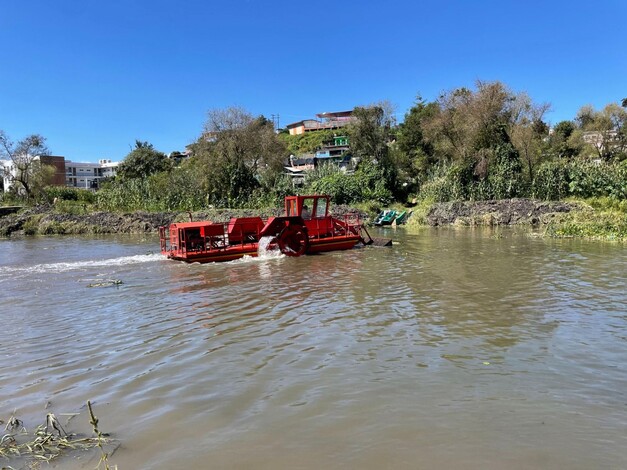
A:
79, 265
366, 358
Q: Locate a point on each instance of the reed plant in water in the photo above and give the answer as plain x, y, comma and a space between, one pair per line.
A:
49, 441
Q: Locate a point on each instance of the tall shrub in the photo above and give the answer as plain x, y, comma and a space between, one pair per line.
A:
597, 179
505, 178
551, 181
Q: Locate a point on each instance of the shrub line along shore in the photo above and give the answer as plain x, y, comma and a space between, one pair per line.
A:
557, 217
481, 143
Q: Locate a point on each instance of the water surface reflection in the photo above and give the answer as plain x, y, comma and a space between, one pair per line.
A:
455, 348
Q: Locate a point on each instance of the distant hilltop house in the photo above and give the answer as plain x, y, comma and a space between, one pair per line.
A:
606, 142
325, 121
335, 150
86, 175
599, 139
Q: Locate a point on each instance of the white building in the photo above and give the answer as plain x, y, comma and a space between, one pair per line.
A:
87, 175
84, 175
7, 169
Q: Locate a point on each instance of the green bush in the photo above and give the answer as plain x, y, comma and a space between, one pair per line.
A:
62, 193
600, 225
376, 182
271, 196
608, 204
436, 189
123, 195
580, 179
505, 180
367, 183
447, 183
71, 207
344, 189
31, 225
9, 198
597, 179
176, 190
551, 181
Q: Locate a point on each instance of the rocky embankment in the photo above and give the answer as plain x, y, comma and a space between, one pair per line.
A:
502, 212
44, 220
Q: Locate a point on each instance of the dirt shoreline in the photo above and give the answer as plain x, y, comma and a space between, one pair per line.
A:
43, 220
501, 212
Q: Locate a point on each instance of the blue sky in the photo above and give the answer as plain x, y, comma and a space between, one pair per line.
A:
93, 76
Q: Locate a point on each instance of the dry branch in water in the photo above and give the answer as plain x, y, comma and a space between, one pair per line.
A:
49, 441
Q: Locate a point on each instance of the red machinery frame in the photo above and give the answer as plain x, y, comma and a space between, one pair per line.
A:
307, 227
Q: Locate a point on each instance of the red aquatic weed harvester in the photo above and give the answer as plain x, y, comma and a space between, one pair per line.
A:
305, 228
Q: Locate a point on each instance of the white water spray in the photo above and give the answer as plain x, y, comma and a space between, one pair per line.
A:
268, 248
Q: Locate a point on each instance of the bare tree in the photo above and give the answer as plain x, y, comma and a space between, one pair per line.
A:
468, 121
238, 152
474, 124
528, 130
23, 156
226, 120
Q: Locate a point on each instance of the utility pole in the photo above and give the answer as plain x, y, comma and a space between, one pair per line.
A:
275, 121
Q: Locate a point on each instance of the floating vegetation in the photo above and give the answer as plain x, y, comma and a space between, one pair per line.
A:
100, 439
608, 225
106, 283
49, 441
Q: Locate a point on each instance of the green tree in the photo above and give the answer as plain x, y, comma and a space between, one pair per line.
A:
481, 138
143, 161
469, 126
564, 141
585, 116
238, 153
416, 152
468, 121
29, 174
370, 135
605, 131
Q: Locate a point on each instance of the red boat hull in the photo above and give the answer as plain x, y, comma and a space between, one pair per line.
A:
305, 228
237, 252
333, 244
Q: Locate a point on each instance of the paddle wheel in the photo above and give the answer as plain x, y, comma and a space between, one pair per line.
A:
293, 240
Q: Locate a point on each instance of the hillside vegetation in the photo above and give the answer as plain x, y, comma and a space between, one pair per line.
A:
481, 144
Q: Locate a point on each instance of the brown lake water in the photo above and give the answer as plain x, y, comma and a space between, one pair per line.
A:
455, 348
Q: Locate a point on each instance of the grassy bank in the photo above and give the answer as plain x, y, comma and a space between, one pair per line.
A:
596, 218
599, 219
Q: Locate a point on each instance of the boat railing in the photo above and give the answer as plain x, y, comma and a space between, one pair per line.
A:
162, 239
215, 236
333, 227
